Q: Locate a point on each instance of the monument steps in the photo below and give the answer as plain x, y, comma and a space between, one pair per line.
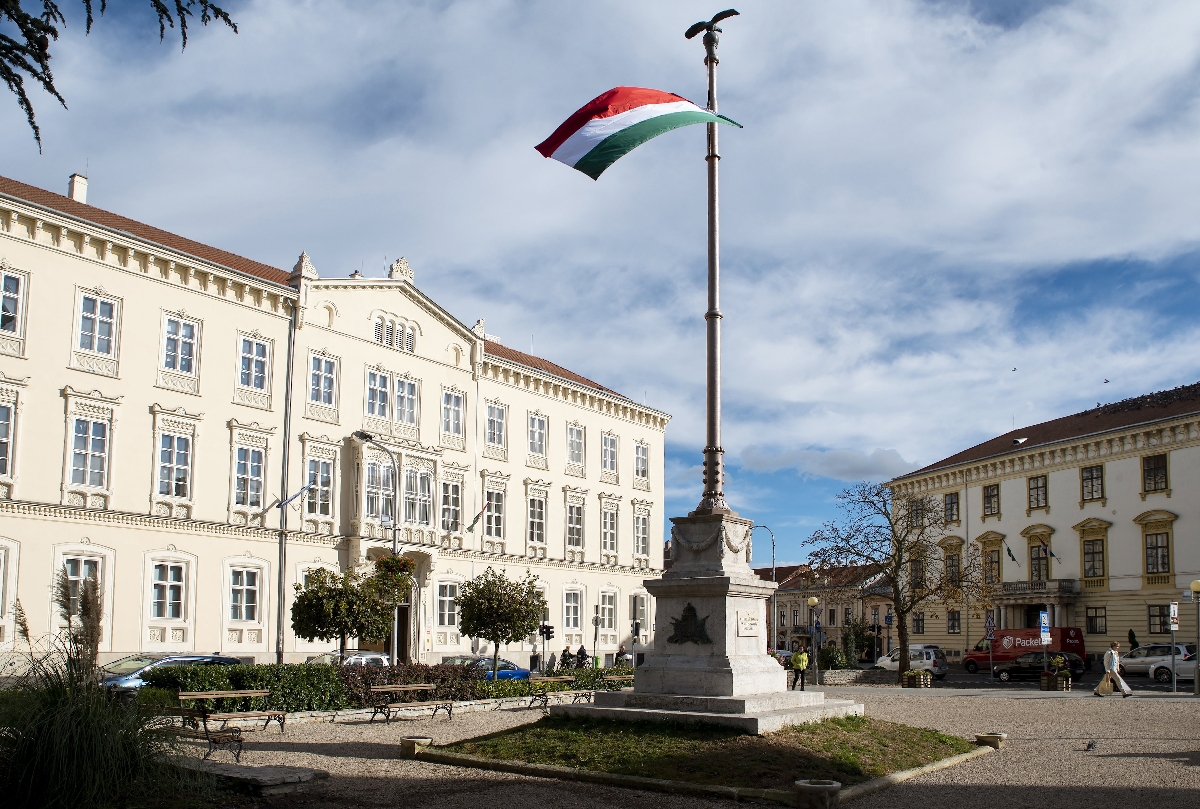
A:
751, 723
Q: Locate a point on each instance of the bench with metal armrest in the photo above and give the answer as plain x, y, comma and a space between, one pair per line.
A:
541, 696
388, 708
225, 737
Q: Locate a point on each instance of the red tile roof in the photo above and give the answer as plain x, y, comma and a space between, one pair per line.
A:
99, 216
1152, 407
538, 364
782, 572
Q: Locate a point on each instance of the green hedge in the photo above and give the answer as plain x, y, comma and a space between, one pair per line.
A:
293, 687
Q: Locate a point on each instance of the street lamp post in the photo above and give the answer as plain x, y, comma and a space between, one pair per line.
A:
394, 655
813, 601
1195, 588
774, 641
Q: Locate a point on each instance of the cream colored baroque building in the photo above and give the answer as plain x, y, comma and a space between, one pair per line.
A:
160, 397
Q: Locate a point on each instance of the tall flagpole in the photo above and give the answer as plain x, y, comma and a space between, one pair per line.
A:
713, 500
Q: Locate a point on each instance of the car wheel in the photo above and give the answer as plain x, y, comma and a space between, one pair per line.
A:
1162, 675
971, 666
939, 676
1004, 676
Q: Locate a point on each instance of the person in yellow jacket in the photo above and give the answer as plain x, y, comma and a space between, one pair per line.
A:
799, 664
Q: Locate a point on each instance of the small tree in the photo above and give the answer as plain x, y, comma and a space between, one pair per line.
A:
493, 607
329, 606
855, 640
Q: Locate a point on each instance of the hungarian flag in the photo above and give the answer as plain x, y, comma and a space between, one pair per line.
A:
615, 123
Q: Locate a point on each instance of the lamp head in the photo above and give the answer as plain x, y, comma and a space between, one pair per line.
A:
361, 435
1195, 586
813, 601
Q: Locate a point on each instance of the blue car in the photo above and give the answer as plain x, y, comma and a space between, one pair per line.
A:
507, 670
124, 676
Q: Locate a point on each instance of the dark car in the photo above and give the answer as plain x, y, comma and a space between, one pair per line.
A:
1030, 666
124, 676
483, 665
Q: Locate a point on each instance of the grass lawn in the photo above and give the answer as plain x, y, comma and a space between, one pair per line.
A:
850, 750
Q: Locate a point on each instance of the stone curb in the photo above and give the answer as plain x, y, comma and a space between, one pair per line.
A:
885, 781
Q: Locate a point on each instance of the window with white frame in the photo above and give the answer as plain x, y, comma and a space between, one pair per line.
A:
495, 424
537, 435
572, 600
537, 519
179, 345
493, 519
322, 381
320, 487
380, 490
406, 401
89, 453
97, 325
12, 288
78, 570
608, 610
378, 387
243, 594
452, 413
451, 506
574, 525
166, 597
447, 606
6, 431
608, 453
249, 477
175, 465
639, 609
641, 535
641, 461
396, 335
608, 530
254, 357
418, 496
575, 444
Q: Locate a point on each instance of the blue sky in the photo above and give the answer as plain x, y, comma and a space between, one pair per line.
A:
926, 195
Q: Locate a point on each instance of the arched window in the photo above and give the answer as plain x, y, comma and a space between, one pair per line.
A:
410, 337
379, 330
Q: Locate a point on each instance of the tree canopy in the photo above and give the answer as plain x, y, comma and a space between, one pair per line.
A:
493, 607
37, 22
334, 607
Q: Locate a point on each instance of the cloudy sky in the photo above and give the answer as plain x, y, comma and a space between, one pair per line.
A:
926, 196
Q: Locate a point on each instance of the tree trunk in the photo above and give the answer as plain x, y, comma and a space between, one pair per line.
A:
342, 646
902, 639
496, 663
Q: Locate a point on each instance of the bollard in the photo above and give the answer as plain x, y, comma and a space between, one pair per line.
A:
410, 746
817, 794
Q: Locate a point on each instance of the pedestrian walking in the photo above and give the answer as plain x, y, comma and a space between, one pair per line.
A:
799, 664
550, 664
1112, 674
581, 657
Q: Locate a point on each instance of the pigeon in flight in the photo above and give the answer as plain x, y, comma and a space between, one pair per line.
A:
1106, 382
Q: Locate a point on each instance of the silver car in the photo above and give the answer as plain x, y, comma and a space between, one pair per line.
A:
1143, 659
920, 656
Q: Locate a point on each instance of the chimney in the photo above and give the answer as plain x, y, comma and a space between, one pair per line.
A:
77, 188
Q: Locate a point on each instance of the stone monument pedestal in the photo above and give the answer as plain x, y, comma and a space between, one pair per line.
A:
709, 663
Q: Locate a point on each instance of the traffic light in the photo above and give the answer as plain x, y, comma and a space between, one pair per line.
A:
637, 628
546, 631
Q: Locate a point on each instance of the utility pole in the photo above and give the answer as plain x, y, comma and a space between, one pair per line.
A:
366, 437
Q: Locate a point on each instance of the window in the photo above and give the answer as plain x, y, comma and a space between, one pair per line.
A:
97, 324
493, 521
418, 497
89, 456
395, 335
608, 610
320, 493
1093, 558
1039, 562
991, 499
954, 569
1154, 473
1097, 620
783, 617
10, 303
608, 531
446, 606
950, 507
954, 622
406, 401
847, 616
796, 618
249, 477
639, 610
174, 465
1092, 478
641, 535
495, 425
574, 526
452, 507
6, 413
380, 491
537, 519
378, 386
452, 413
1160, 619
832, 616
918, 623
79, 569
1158, 553
571, 602
991, 566
1037, 492
179, 346
254, 364
641, 461
243, 594
168, 591
537, 435
321, 381
916, 569
608, 453
575, 445
410, 495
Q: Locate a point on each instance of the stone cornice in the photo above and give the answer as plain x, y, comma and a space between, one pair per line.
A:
561, 564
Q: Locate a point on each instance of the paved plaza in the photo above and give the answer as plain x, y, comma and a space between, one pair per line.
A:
1147, 753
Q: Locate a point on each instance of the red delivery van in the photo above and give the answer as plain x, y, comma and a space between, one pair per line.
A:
1012, 643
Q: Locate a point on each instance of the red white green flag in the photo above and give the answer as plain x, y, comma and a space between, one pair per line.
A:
614, 123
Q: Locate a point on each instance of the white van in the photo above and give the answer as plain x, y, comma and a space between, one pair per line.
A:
920, 656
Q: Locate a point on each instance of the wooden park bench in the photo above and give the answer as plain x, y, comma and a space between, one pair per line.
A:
624, 679
388, 708
224, 738
541, 696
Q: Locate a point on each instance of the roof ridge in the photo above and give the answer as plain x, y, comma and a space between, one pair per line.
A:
543, 365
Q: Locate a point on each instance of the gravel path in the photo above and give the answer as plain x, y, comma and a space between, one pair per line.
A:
1147, 750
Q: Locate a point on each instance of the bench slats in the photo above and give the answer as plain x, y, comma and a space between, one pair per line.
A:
188, 695
391, 688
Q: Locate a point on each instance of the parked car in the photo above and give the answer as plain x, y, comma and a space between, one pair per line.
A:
1143, 659
1031, 665
920, 656
1185, 669
125, 676
507, 670
1012, 643
353, 658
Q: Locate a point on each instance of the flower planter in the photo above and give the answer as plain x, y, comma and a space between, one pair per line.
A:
916, 679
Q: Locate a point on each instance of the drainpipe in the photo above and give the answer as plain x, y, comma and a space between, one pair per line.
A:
281, 595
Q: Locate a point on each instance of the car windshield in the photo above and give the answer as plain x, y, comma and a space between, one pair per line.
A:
128, 665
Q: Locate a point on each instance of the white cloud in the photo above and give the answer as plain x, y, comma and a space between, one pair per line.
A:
840, 464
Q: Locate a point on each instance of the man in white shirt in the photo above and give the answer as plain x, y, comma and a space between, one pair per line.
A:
1112, 672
